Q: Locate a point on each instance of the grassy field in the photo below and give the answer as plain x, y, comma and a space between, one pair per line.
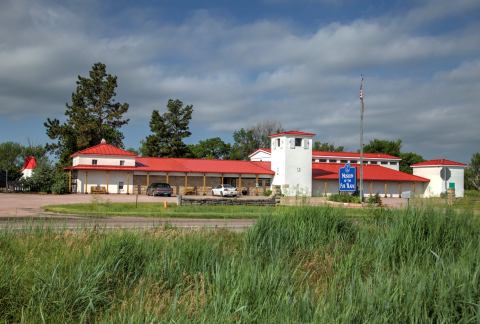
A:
300, 265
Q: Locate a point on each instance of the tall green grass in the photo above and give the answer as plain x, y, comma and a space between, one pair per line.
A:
306, 264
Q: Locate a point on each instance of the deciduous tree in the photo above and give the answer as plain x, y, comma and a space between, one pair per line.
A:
472, 173
211, 148
319, 146
248, 140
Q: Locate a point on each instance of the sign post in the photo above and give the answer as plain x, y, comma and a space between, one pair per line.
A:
347, 179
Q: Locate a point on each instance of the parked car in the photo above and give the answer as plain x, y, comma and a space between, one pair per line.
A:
225, 190
159, 189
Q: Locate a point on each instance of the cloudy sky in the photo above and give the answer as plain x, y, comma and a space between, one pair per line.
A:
297, 62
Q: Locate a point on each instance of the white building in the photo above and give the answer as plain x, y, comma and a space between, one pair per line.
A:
452, 178
290, 164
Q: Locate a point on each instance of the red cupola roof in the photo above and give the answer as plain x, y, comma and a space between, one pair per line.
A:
104, 149
30, 163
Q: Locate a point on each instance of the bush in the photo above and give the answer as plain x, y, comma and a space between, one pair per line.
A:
267, 192
345, 198
374, 200
59, 183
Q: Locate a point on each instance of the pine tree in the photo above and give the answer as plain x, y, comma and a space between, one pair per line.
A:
169, 130
92, 115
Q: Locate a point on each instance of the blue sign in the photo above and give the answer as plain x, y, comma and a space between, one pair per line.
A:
347, 178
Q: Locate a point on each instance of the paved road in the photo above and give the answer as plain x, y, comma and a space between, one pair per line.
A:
25, 210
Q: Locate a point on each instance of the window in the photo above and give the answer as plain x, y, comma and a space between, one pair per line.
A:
306, 143
267, 183
353, 161
122, 162
384, 162
94, 162
298, 142
323, 160
393, 163
120, 185
278, 142
373, 162
343, 161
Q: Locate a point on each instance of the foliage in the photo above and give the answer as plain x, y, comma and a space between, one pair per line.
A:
11, 159
169, 130
302, 265
47, 178
133, 150
326, 147
343, 197
92, 115
211, 148
472, 173
246, 141
383, 146
267, 192
374, 200
394, 148
409, 158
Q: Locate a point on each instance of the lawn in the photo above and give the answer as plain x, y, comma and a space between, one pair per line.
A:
303, 264
158, 210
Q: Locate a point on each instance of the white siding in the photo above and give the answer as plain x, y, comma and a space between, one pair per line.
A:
437, 185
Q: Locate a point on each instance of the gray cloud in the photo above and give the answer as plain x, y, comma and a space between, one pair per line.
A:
238, 74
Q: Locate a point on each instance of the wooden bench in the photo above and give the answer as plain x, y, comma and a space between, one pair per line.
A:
98, 190
189, 191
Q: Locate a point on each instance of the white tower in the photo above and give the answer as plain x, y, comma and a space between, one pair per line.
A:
292, 162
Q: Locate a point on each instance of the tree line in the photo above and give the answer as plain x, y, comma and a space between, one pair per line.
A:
94, 114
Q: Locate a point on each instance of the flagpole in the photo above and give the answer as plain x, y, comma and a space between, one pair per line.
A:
361, 139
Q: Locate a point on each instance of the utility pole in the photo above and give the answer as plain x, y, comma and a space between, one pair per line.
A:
361, 138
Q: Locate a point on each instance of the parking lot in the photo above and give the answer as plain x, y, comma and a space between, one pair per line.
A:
25, 205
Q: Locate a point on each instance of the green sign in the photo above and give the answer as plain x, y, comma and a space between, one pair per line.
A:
451, 185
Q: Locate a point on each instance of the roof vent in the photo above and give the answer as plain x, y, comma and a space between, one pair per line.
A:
103, 141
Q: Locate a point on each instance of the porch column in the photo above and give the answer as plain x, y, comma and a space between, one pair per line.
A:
70, 181
168, 177
186, 180
128, 183
222, 179
107, 174
86, 181
325, 188
256, 181
370, 188
386, 189
240, 181
148, 179
204, 183
399, 189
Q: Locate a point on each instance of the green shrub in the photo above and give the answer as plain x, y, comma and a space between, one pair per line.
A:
345, 198
267, 192
374, 200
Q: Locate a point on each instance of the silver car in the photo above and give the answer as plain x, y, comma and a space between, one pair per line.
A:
225, 190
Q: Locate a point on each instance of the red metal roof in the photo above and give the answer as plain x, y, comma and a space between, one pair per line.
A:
103, 149
293, 132
326, 154
202, 166
437, 162
30, 163
329, 171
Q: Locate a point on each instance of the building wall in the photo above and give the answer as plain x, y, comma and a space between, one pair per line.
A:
261, 156
292, 165
103, 160
101, 178
437, 185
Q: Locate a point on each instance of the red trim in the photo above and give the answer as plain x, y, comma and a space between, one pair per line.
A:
437, 162
293, 132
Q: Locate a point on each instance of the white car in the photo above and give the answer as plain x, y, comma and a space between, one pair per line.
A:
225, 190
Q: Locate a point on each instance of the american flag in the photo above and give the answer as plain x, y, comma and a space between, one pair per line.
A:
361, 89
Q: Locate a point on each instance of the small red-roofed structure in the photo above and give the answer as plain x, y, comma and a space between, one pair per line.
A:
29, 165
